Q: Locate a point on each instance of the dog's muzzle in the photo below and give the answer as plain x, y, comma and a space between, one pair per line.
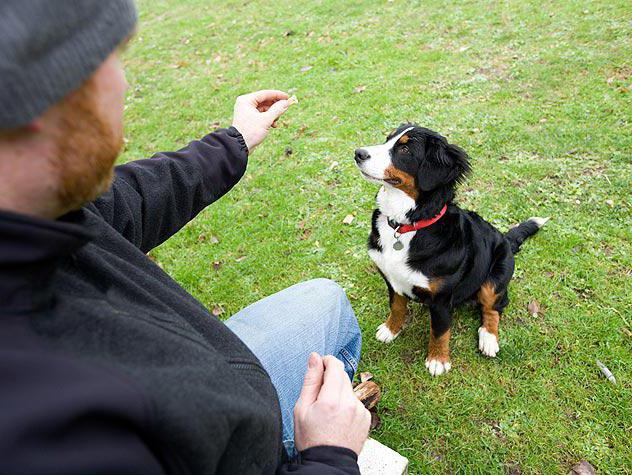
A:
361, 155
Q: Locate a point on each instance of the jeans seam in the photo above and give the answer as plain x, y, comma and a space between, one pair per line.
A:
349, 358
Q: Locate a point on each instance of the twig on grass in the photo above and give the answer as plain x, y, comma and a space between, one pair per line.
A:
607, 373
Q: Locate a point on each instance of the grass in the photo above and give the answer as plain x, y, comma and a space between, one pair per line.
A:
539, 95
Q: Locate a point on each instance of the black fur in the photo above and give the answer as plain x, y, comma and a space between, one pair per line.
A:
517, 235
462, 250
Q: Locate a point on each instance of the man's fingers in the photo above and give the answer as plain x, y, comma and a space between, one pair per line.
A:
335, 381
313, 379
277, 109
266, 95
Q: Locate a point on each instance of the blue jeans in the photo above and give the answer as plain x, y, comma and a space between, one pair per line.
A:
284, 328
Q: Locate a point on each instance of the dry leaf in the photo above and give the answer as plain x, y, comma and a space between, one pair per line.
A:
534, 308
583, 468
333, 165
239, 259
217, 310
626, 331
365, 377
375, 420
348, 219
514, 469
179, 64
359, 89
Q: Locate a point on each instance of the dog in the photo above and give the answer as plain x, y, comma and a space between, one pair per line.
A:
428, 249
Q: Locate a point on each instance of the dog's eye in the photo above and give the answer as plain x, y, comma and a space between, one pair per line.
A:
404, 149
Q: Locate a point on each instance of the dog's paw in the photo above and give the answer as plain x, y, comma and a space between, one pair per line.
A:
384, 335
487, 343
436, 367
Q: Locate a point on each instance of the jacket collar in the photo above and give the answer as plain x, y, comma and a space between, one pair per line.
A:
31, 249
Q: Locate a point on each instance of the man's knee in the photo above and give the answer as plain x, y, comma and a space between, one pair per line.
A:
328, 292
326, 287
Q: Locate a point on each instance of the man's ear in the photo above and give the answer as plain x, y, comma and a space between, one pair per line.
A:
444, 164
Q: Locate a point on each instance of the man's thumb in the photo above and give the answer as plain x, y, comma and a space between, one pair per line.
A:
313, 379
277, 109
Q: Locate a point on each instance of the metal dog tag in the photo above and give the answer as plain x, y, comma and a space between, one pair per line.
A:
398, 246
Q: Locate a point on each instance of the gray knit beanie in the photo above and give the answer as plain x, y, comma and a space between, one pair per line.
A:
48, 48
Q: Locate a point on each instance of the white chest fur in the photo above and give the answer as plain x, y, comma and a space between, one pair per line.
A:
393, 263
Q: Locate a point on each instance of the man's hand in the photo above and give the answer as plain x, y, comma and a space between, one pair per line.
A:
327, 412
256, 112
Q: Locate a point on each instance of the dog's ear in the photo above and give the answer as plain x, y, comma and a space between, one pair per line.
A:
460, 163
444, 164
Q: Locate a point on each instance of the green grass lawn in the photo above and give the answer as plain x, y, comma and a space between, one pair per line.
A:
540, 96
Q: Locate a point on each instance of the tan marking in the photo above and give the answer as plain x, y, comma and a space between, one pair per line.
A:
487, 298
404, 139
399, 311
406, 181
435, 285
439, 347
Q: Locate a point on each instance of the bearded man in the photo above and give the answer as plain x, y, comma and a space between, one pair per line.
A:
108, 366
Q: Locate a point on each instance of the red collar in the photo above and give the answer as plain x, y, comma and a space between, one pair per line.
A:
423, 223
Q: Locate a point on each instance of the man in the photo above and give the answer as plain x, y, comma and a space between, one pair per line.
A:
106, 364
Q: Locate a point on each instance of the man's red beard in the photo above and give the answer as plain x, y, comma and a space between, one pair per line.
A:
87, 147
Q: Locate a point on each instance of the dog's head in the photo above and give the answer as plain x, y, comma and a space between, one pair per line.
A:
415, 160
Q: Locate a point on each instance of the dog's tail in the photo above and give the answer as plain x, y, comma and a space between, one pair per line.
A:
519, 233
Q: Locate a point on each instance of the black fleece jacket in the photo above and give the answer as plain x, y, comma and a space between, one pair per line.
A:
108, 366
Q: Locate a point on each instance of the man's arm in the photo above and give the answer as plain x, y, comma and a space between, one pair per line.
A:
323, 460
150, 200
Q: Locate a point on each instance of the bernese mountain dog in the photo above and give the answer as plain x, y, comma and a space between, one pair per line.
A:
427, 248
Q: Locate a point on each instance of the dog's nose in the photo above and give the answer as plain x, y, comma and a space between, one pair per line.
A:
361, 155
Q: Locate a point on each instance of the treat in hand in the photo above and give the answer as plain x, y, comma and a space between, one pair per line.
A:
256, 113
